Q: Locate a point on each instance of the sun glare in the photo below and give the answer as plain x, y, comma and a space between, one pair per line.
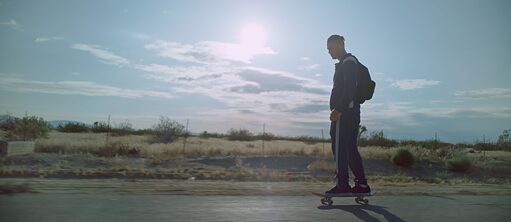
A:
253, 35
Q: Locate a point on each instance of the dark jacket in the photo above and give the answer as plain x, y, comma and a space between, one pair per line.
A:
345, 85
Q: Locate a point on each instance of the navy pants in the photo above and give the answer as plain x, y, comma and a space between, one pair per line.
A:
344, 132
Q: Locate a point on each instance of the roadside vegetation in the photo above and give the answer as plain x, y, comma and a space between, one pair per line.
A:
168, 141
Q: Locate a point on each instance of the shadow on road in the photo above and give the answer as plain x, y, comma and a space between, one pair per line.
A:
360, 211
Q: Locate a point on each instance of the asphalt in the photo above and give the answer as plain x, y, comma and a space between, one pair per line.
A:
157, 207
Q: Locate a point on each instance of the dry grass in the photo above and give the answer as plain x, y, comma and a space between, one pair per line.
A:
94, 143
58, 142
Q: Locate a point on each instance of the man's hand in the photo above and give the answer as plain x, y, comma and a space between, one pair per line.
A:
335, 115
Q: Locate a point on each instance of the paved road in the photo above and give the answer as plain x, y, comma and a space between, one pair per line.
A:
146, 207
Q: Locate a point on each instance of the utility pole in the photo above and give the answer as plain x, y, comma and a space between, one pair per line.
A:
186, 135
323, 141
436, 141
263, 136
107, 131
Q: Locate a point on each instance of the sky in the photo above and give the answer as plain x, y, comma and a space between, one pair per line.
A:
439, 66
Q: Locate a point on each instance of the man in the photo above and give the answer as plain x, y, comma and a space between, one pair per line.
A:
345, 119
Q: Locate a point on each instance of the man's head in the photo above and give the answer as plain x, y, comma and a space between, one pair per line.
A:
335, 46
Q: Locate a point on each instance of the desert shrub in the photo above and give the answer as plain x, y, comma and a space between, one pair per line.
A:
403, 157
117, 149
504, 138
26, 128
377, 138
122, 129
167, 130
143, 132
459, 163
73, 127
266, 136
206, 135
308, 139
100, 127
240, 134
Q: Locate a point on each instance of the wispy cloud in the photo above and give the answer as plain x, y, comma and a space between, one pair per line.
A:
251, 88
410, 84
249, 93
85, 88
208, 52
308, 64
46, 39
12, 24
484, 93
308, 67
103, 54
140, 36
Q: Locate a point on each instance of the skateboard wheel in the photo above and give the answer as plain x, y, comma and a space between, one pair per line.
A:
326, 201
361, 200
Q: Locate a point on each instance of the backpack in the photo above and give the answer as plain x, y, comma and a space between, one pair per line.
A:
365, 85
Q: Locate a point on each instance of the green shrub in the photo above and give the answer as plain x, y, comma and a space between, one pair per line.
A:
240, 134
403, 157
122, 129
377, 138
100, 127
73, 127
167, 130
117, 149
26, 128
459, 163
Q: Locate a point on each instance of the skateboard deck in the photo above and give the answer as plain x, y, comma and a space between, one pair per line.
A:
359, 197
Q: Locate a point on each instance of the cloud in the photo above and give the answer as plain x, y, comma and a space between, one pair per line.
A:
410, 84
103, 54
12, 24
208, 52
45, 39
484, 93
308, 67
140, 36
242, 87
85, 88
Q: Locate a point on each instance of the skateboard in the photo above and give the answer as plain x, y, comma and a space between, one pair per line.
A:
359, 197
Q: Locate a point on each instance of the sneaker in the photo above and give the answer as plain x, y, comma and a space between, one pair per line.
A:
335, 191
361, 188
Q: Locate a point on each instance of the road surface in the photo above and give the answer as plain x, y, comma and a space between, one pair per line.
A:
160, 207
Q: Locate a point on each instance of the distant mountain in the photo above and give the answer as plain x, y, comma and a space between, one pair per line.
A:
53, 123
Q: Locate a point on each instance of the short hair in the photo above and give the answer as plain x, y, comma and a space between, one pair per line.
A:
337, 38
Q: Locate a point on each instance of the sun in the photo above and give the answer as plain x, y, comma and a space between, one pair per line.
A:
254, 35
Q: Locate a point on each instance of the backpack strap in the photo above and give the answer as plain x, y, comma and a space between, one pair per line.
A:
350, 58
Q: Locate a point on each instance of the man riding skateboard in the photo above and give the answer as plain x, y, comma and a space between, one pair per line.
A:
345, 120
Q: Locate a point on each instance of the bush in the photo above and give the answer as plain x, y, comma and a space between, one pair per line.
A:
403, 157
100, 127
504, 138
167, 130
73, 127
377, 139
122, 129
26, 128
266, 136
240, 134
459, 163
117, 149
308, 139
